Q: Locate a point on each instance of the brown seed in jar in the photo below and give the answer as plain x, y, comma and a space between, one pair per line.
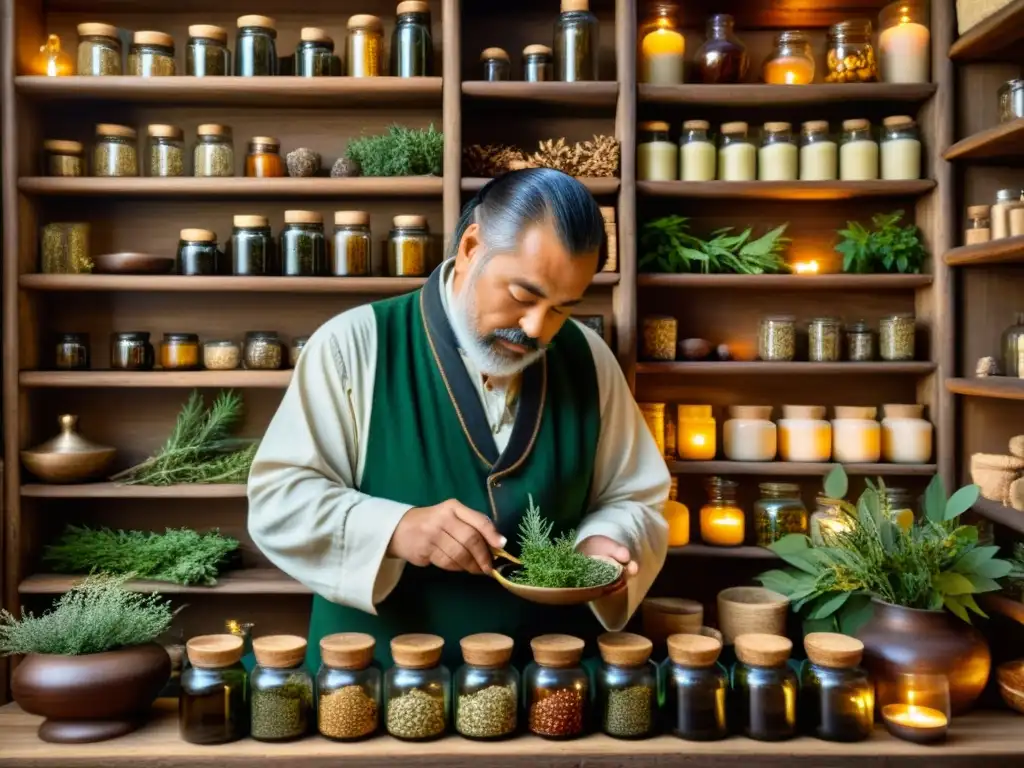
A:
221, 357
660, 334
347, 713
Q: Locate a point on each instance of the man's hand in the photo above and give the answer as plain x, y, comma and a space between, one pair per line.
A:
449, 535
602, 546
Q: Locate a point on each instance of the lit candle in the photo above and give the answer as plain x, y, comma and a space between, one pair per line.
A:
678, 517
788, 70
921, 725
51, 60
662, 54
806, 267
904, 50
722, 526
695, 433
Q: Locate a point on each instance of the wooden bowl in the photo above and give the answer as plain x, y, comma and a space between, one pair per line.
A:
1011, 684
130, 263
553, 596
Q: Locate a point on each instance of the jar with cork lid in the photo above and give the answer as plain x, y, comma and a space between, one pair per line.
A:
900, 149
627, 686
197, 252
999, 214
749, 434
213, 707
63, 158
557, 688
303, 245
353, 246
263, 160
364, 46
256, 46
408, 246
214, 153
657, 156
417, 688
764, 688
486, 688
819, 155
697, 154
348, 687
99, 50
495, 65
166, 151
538, 64
804, 434
577, 42
906, 434
837, 698
151, 54
778, 155
282, 689
114, 152
856, 435
206, 54
858, 152
696, 689
979, 225
252, 249
314, 54
412, 41
737, 155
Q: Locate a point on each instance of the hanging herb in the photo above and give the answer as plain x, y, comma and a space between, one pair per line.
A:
667, 245
887, 248
399, 152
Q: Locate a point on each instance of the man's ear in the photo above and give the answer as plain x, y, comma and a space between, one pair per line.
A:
469, 246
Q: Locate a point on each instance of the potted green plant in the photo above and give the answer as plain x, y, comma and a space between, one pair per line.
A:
907, 594
91, 665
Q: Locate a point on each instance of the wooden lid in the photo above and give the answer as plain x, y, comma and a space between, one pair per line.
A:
493, 53
654, 125
898, 120
364, 21
351, 218
979, 211
303, 217
830, 649
214, 651
347, 650
624, 649
856, 412
410, 220
763, 650
412, 6
487, 649
696, 125
803, 411
694, 411
735, 127
198, 235
149, 37
213, 129
777, 127
314, 35
254, 20
856, 125
97, 29
63, 146
417, 651
575, 5
208, 31
557, 650
160, 131
750, 412
903, 411
265, 140
109, 129
245, 220
536, 50
280, 651
814, 125
694, 650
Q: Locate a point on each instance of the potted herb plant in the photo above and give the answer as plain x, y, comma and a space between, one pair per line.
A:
907, 594
91, 665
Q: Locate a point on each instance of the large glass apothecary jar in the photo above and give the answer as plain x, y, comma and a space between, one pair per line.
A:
207, 54
777, 159
577, 42
696, 689
486, 688
282, 689
858, 152
197, 252
256, 46
353, 246
851, 55
737, 155
779, 512
495, 65
750, 434
408, 246
896, 337
819, 155
252, 248
151, 54
364, 46
823, 340
698, 157
828, 519
412, 43
804, 435
722, 522
99, 50
165, 154
417, 688
657, 156
900, 149
776, 338
114, 152
904, 42
791, 61
303, 246
627, 686
213, 706
764, 694
63, 158
314, 54
214, 153
662, 47
837, 700
906, 435
856, 435
348, 687
722, 59
538, 64
556, 688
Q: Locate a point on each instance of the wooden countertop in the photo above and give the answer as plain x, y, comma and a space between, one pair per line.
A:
988, 735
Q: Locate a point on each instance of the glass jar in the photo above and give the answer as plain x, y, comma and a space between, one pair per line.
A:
851, 56
1006, 200
166, 156
252, 247
408, 246
858, 152
900, 503
860, 342
64, 248
791, 61
72, 352
213, 707
659, 336
131, 351
412, 43
896, 337
823, 340
722, 522
179, 352
779, 511
151, 54
298, 344
206, 54
282, 689
417, 688
214, 153
221, 355
657, 156
577, 42
697, 154
63, 158
263, 351
662, 46
537, 64
348, 687
737, 155
114, 153
828, 520
1011, 100
749, 434
1009, 343
627, 686
776, 338
677, 515
979, 225
353, 245
819, 155
303, 246
764, 688
723, 57
197, 252
256, 46
263, 160
654, 417
837, 699
314, 55
777, 158
904, 42
495, 65
696, 688
804, 435
99, 50
557, 688
856, 435
364, 46
900, 149
486, 688
695, 433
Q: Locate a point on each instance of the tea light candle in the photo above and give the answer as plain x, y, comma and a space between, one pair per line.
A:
921, 725
722, 526
662, 53
903, 51
678, 517
788, 70
695, 433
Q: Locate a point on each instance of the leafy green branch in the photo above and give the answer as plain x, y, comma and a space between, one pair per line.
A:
888, 247
667, 245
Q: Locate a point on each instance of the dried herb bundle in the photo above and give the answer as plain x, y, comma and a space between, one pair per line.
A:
598, 158
399, 152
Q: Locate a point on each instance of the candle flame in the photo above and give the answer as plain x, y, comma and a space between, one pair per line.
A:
51, 68
806, 267
698, 440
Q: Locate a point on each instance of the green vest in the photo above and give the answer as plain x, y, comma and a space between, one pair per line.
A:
429, 441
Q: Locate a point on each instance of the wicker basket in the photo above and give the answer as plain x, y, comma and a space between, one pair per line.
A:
747, 610
995, 473
664, 616
972, 12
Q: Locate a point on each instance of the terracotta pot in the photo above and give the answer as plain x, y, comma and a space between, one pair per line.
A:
94, 697
900, 641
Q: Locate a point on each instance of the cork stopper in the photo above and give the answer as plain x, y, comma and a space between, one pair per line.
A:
164, 131
198, 235
245, 220
736, 127
279, 651
903, 411
557, 650
208, 32
213, 129
109, 129
979, 211
762, 650
694, 411
856, 125
412, 6
624, 649
410, 221
654, 126
493, 53
856, 412
898, 121
149, 37
803, 411
830, 649
63, 147
694, 650
347, 650
265, 140
536, 50
763, 412
303, 217
813, 126
351, 218
254, 20
777, 127
96, 29
364, 21
696, 125
214, 651
487, 649
314, 35
568, 6
417, 651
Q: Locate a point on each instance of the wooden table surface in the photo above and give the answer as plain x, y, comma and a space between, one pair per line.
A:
985, 736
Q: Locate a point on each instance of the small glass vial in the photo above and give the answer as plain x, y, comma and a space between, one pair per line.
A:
777, 158
221, 355
197, 252
819, 155
538, 65
737, 155
353, 245
408, 246
904, 42
72, 352
851, 56
348, 687
486, 688
776, 338
282, 689
166, 155
214, 153
722, 59
303, 246
213, 707
858, 152
696, 689
263, 351
256, 46
557, 688
823, 340
764, 688
151, 54
252, 247
856, 435
263, 160
979, 225
827, 522
63, 158
900, 149
722, 522
576, 42
364, 46
314, 55
749, 434
99, 50
495, 65
791, 61
298, 344
417, 688
131, 351
698, 157
627, 686
804, 434
860, 342
662, 48
114, 153
837, 700
412, 42
206, 54
179, 352
657, 156
1011, 100
896, 337
779, 512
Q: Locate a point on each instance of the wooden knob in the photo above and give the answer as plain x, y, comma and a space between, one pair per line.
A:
624, 649
557, 650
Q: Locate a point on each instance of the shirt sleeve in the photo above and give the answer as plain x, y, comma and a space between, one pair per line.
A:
630, 488
305, 513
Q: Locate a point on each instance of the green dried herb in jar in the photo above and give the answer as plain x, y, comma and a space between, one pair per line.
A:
776, 339
823, 340
303, 245
860, 343
896, 337
114, 153
151, 54
282, 689
206, 54
627, 686
252, 247
214, 153
63, 158
99, 50
263, 351
64, 248
256, 46
314, 55
166, 156
779, 512
416, 688
486, 688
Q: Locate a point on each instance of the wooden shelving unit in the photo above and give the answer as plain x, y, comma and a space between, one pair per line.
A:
774, 96
705, 551
995, 39
784, 190
249, 581
235, 187
996, 387
1002, 141
568, 95
785, 369
119, 491
1007, 250
598, 186
787, 282
156, 378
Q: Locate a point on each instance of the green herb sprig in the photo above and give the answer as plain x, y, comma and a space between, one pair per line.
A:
888, 247
399, 152
667, 245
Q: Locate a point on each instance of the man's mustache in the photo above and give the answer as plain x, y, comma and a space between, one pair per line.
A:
515, 336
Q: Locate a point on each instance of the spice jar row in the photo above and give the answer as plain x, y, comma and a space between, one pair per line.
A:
152, 53
778, 154
1004, 218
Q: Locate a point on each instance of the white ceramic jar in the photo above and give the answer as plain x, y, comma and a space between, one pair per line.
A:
749, 434
906, 435
856, 435
804, 434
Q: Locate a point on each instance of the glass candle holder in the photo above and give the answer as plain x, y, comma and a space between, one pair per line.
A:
722, 522
51, 60
904, 42
695, 433
678, 517
791, 62
922, 710
662, 46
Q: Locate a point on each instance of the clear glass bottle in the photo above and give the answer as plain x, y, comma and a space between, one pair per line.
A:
99, 50
627, 686
197, 252
364, 46
166, 155
214, 153
408, 246
495, 65
263, 160
657, 156
179, 352
764, 688
303, 245
737, 155
906, 434
412, 43
856, 435
979, 225
151, 54
904, 42
860, 342
791, 61
696, 689
576, 42
779, 511
114, 153
348, 687
819, 155
282, 689
207, 54
900, 149
828, 520
776, 338
213, 706
486, 688
221, 355
837, 700
353, 245
63, 158
314, 55
896, 337
131, 351
1011, 100
722, 522
698, 158
777, 157
662, 48
823, 340
256, 46
804, 434
851, 56
858, 152
723, 58
556, 688
72, 352
252, 248
417, 688
538, 66
263, 351
749, 434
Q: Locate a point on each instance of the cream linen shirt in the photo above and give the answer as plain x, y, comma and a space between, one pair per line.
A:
307, 516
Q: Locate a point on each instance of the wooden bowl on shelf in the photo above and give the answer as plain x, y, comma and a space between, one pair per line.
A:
556, 596
1011, 684
131, 263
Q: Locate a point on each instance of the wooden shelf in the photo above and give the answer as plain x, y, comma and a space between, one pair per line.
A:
592, 94
997, 513
285, 92
118, 491
239, 379
784, 190
996, 387
1006, 250
742, 553
787, 282
246, 581
783, 369
597, 186
234, 187
992, 602
795, 468
993, 39
1005, 140
775, 96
